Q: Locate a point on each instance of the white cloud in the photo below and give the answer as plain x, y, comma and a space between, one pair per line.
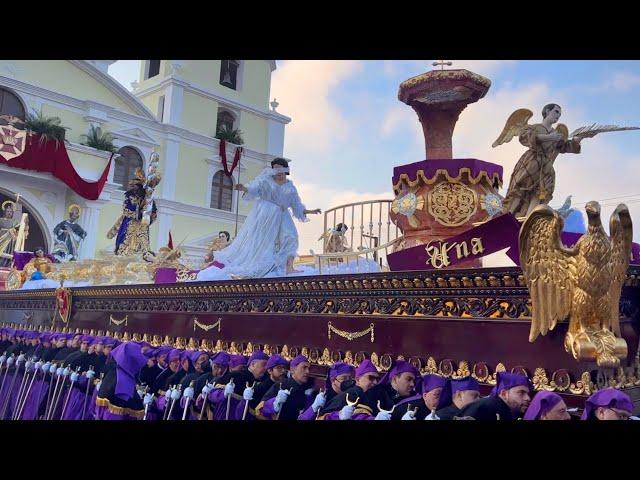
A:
483, 67
390, 67
399, 116
303, 89
621, 81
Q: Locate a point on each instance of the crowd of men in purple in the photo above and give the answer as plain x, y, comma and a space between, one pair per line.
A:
54, 376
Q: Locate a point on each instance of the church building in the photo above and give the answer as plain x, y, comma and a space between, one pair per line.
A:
176, 108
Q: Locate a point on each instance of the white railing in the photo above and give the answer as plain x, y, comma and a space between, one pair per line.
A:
370, 231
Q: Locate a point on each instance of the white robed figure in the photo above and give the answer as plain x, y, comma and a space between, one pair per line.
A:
267, 243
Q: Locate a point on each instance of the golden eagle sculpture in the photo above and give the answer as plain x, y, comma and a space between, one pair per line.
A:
583, 283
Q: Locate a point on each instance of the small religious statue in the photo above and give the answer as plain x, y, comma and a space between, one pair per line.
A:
533, 179
171, 258
38, 267
68, 236
12, 223
138, 212
335, 240
217, 244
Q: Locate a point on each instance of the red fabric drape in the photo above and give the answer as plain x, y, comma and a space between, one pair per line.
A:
47, 157
223, 158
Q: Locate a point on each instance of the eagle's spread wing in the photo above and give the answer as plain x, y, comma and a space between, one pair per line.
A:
621, 230
515, 123
548, 268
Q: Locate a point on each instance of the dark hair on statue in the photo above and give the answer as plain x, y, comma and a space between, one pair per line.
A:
342, 226
39, 248
226, 234
547, 108
136, 190
282, 162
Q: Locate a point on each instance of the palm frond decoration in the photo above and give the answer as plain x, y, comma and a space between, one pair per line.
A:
99, 140
594, 129
49, 128
231, 135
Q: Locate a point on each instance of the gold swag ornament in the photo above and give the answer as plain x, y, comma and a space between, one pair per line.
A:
583, 282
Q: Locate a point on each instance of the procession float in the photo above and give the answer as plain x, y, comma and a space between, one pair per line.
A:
568, 316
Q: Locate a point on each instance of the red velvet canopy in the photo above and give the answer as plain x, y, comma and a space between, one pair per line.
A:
52, 157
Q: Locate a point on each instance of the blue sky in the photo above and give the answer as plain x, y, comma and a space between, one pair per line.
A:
348, 129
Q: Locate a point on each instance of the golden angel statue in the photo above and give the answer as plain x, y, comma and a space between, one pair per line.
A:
533, 179
583, 282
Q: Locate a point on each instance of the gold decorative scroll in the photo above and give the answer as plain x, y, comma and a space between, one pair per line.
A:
452, 204
349, 335
113, 321
204, 327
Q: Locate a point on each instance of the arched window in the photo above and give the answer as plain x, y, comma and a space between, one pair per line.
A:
229, 73
226, 119
126, 166
10, 104
221, 191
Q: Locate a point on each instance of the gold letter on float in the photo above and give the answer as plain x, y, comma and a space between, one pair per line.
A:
476, 246
438, 256
462, 250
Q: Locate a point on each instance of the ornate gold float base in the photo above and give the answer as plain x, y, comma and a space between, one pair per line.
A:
601, 346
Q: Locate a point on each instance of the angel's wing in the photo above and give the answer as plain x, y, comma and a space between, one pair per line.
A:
515, 123
547, 267
621, 230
